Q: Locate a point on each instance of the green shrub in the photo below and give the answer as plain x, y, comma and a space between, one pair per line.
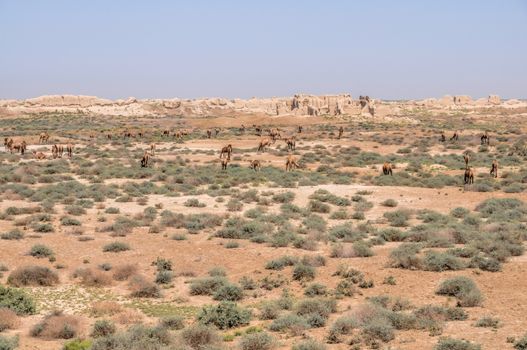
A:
12, 235
303, 272
112, 210
455, 344
315, 289
463, 288
69, 221
293, 323
8, 343
284, 197
405, 256
199, 337
164, 277
257, 341
378, 329
229, 292
137, 337
33, 276
224, 315
437, 261
116, 247
207, 285
459, 212
280, 263
308, 344
398, 218
17, 300
269, 311
488, 321
175, 322
194, 202
40, 251
391, 203
361, 249
103, 328
521, 344
76, 344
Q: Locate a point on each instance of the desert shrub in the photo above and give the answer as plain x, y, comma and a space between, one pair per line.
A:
8, 319
362, 249
229, 292
234, 205
137, 337
486, 263
436, 261
343, 325
75, 210
455, 344
398, 218
78, 344
92, 278
459, 212
315, 289
232, 245
269, 311
16, 300
57, 325
112, 210
103, 328
33, 276
257, 341
316, 206
315, 223
164, 277
40, 251
207, 285
284, 197
391, 203
194, 202
463, 289
199, 337
405, 256
392, 235
308, 344
345, 288
175, 322
123, 272
247, 283
140, 287
280, 263
105, 308
303, 272
488, 321
378, 329
224, 315
69, 221
521, 344
8, 343
315, 310
293, 323
12, 235
116, 247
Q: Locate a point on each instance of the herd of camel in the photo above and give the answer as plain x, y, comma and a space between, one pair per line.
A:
272, 136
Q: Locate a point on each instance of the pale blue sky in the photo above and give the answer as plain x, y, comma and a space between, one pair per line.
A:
240, 48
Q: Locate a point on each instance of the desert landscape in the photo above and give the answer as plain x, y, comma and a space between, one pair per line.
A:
305, 222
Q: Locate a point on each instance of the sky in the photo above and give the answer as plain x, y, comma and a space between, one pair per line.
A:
404, 49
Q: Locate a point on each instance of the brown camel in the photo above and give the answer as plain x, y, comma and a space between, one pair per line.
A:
39, 155
299, 129
255, 165
341, 131
263, 144
387, 168
57, 151
109, 136
291, 143
443, 137
216, 131
44, 137
257, 130
178, 135
226, 150
8, 143
166, 133
494, 168
455, 137
69, 150
224, 163
145, 161
291, 163
19, 147
466, 158
485, 139
209, 133
469, 176
153, 149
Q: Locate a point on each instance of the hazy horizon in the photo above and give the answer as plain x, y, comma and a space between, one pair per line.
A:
236, 49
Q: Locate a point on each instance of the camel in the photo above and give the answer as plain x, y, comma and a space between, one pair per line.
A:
363, 101
224, 163
166, 133
257, 130
466, 158
455, 137
69, 150
226, 150
209, 133
153, 149
109, 136
39, 155
8, 143
263, 144
141, 134
291, 163
19, 147
255, 165
242, 129
299, 129
469, 176
291, 143
178, 135
216, 131
485, 139
341, 131
494, 168
128, 134
57, 151
145, 160
387, 168
275, 134
44, 137
443, 137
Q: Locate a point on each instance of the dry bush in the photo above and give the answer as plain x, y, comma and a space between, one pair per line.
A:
140, 287
57, 326
92, 278
104, 308
124, 272
8, 319
128, 316
33, 276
